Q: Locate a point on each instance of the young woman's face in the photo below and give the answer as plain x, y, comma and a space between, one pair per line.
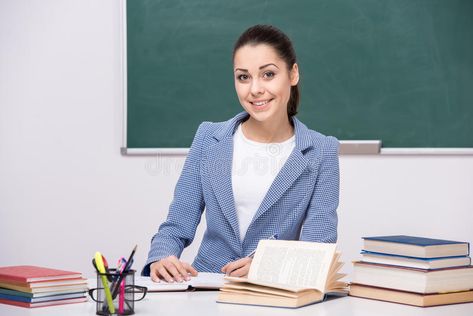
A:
263, 82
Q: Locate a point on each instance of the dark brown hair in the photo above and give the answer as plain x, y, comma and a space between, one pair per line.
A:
272, 36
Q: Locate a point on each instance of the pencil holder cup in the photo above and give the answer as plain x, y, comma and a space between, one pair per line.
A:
116, 293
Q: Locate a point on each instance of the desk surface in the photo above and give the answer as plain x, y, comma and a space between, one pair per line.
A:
203, 303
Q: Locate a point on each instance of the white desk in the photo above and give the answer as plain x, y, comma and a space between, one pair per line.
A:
203, 303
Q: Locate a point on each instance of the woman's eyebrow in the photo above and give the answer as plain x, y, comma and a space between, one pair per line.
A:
264, 66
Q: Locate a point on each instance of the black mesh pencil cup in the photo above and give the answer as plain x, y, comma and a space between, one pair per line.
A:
116, 293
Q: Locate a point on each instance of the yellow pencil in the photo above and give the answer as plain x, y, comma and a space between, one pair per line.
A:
108, 294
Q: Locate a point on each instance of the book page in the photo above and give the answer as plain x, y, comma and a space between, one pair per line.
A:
202, 280
207, 280
294, 263
161, 286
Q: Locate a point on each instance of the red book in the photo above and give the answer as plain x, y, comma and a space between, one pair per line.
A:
25, 274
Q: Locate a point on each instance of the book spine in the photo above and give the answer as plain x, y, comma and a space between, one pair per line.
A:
409, 257
15, 298
15, 303
10, 278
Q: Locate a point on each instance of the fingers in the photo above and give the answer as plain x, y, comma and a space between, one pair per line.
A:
184, 269
171, 269
190, 269
229, 267
233, 265
224, 268
241, 272
163, 272
154, 272
239, 267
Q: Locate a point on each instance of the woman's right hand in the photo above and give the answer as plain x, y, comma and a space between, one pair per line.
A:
171, 269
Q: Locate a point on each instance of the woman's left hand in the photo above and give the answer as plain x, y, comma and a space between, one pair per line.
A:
238, 268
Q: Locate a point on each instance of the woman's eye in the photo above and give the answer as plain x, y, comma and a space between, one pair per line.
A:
268, 74
242, 77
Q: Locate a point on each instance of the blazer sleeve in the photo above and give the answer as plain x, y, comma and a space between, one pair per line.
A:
320, 224
186, 208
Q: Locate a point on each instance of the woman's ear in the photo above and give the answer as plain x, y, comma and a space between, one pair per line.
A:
294, 75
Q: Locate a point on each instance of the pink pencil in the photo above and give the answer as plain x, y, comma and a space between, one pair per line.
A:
121, 297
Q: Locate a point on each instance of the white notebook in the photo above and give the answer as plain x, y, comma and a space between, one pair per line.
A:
204, 280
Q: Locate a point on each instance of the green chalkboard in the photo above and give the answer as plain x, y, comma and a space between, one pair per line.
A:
396, 70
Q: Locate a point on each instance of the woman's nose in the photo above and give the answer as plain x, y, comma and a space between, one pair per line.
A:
256, 88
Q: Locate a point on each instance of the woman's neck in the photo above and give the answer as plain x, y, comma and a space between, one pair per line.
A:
267, 132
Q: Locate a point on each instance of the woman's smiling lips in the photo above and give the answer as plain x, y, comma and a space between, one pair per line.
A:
260, 102
261, 105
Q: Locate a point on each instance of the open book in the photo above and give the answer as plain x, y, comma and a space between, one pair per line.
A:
204, 280
287, 274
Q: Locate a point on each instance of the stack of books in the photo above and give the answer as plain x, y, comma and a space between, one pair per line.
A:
414, 270
32, 286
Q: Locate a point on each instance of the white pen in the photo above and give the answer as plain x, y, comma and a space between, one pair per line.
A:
252, 254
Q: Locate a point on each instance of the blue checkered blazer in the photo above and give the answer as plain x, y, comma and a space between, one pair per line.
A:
301, 203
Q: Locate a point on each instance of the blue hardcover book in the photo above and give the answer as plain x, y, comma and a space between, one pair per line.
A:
18, 298
413, 262
419, 247
36, 295
16, 293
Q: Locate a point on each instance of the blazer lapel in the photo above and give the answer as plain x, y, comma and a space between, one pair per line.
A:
221, 180
219, 163
292, 169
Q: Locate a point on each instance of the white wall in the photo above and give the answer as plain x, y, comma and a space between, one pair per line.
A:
65, 191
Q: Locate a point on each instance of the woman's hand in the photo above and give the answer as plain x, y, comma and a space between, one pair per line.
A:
238, 268
171, 269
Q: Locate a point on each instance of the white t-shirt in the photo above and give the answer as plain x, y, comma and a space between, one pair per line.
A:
255, 166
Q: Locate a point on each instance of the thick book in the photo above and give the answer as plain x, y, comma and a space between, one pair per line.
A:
287, 274
25, 274
419, 247
412, 279
203, 281
410, 298
21, 298
43, 304
420, 263
46, 289
41, 294
41, 284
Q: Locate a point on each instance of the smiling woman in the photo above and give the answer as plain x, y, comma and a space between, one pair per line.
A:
263, 84
262, 173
